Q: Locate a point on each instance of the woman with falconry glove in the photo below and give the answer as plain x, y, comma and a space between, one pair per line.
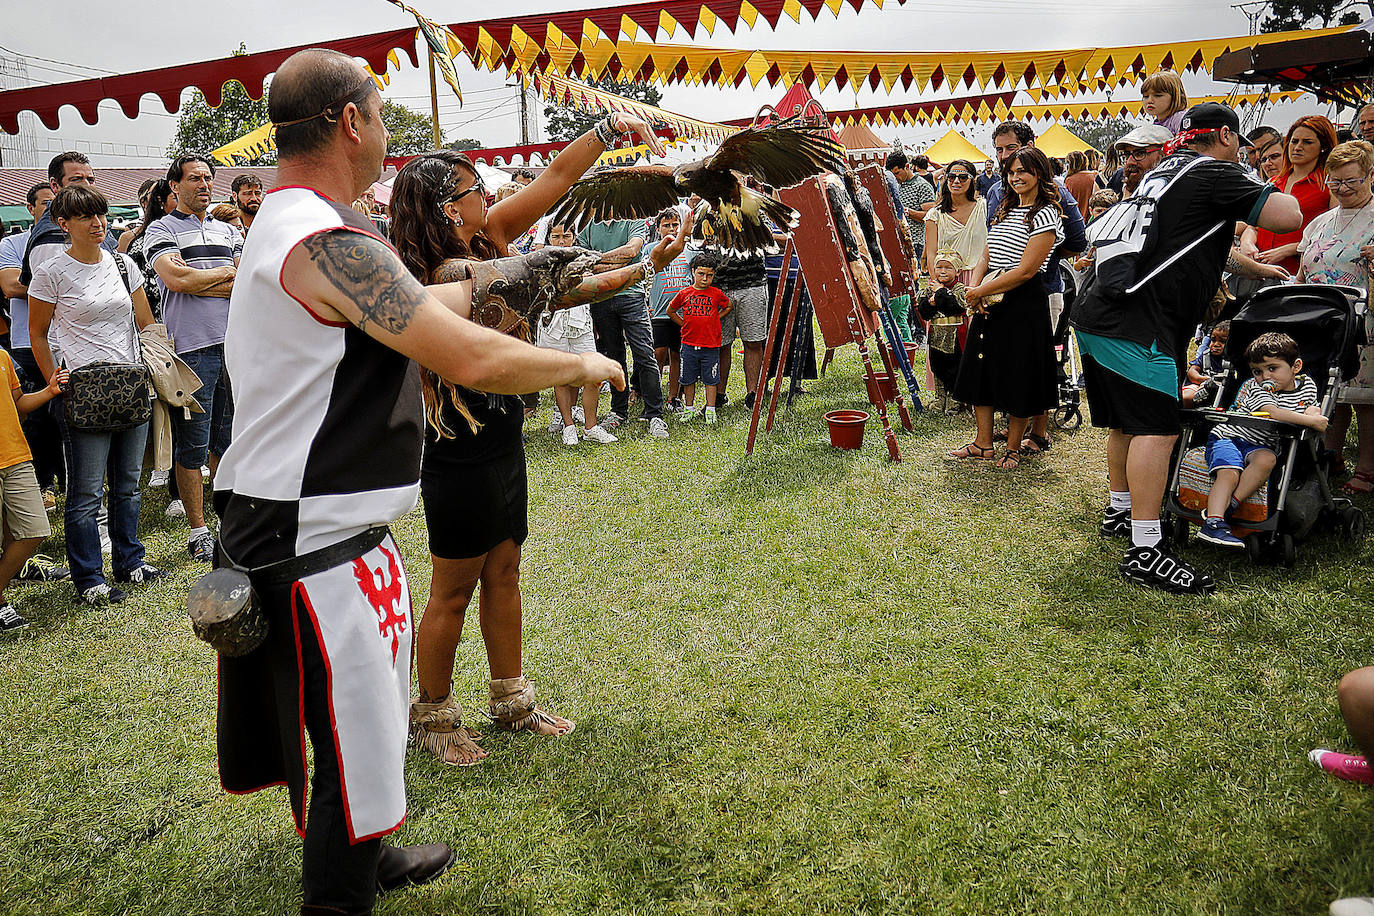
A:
473, 476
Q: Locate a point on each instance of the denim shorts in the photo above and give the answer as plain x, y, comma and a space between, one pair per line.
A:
209, 431
1230, 453
700, 364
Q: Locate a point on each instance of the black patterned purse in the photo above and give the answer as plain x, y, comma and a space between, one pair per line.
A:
108, 397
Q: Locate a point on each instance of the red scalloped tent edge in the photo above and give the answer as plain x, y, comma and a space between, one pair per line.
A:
168, 83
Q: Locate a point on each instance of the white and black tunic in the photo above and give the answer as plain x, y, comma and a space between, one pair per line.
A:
327, 441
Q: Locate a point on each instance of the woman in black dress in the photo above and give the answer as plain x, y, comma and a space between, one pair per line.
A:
1008, 362
473, 474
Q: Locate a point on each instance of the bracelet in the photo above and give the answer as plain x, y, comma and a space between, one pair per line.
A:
648, 269
606, 131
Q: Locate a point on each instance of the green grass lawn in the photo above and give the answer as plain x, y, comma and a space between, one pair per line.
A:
812, 681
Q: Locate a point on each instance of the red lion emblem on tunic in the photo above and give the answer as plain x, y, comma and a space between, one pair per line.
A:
384, 597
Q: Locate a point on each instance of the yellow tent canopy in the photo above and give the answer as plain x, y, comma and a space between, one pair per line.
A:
1059, 141
953, 145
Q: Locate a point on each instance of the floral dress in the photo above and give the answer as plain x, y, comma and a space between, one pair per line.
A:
1330, 252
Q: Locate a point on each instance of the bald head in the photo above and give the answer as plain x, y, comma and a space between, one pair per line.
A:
312, 88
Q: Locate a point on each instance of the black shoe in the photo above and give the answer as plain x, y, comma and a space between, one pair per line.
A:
1157, 568
40, 568
722, 399
1116, 523
144, 575
748, 401
404, 866
202, 548
11, 620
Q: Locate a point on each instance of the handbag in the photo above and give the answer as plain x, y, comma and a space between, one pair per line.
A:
109, 397
995, 297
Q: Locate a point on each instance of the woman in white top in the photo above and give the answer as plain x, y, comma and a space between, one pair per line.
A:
1336, 248
1008, 363
94, 315
959, 221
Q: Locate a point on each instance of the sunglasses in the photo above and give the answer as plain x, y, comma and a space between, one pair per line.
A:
959, 176
476, 186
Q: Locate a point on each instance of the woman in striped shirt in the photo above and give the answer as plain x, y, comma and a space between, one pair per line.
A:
1008, 362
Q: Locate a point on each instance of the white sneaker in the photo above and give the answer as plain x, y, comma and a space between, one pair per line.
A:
578, 415
689, 413
597, 434
1353, 906
658, 428
175, 509
570, 435
556, 423
158, 478
710, 416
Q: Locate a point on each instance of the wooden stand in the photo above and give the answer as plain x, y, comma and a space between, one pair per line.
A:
835, 297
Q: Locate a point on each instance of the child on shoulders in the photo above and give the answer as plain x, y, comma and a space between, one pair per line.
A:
1240, 459
698, 309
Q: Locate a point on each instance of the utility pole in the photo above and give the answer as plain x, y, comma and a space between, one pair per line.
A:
1253, 10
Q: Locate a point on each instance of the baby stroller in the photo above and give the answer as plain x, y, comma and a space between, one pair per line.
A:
1068, 416
1298, 495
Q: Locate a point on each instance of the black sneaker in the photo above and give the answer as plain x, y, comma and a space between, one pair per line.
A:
202, 548
101, 595
1116, 523
143, 575
40, 568
1157, 568
722, 399
10, 619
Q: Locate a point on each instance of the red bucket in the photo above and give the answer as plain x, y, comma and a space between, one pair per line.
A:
911, 351
884, 384
846, 428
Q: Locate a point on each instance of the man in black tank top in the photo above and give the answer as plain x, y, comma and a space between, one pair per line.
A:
360, 319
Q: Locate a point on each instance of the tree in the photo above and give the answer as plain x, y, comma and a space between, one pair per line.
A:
464, 143
1286, 15
1100, 133
566, 123
412, 133
201, 128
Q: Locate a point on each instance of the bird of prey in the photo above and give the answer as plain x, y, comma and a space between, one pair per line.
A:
731, 218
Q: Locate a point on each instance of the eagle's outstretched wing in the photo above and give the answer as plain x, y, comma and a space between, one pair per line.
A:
780, 156
637, 192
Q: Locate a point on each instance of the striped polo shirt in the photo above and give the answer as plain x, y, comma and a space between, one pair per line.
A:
194, 322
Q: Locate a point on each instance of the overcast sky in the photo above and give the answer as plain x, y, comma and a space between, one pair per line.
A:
141, 34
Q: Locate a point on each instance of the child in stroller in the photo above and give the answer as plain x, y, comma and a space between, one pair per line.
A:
1321, 321
1240, 458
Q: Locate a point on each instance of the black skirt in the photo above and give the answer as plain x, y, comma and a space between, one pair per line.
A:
1009, 359
474, 485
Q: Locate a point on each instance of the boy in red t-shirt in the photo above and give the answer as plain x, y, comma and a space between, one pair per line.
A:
699, 308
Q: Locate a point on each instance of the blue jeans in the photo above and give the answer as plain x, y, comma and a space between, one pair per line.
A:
625, 319
207, 432
88, 455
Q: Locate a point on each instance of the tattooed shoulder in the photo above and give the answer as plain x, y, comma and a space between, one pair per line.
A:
451, 271
371, 275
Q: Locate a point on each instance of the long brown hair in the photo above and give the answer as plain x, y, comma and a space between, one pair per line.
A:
425, 240
1046, 192
970, 192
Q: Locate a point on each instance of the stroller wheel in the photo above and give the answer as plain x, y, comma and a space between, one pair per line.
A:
1288, 551
1254, 548
1068, 418
1352, 524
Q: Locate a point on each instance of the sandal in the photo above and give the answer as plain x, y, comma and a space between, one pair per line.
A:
1011, 459
972, 450
999, 436
1041, 443
1351, 488
438, 728
513, 708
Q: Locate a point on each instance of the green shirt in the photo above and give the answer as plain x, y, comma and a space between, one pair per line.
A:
604, 237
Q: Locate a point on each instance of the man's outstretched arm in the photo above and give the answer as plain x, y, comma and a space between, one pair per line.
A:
360, 280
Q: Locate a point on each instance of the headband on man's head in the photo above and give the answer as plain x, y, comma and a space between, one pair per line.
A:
328, 109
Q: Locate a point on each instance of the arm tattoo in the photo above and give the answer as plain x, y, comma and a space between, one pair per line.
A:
370, 275
451, 271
